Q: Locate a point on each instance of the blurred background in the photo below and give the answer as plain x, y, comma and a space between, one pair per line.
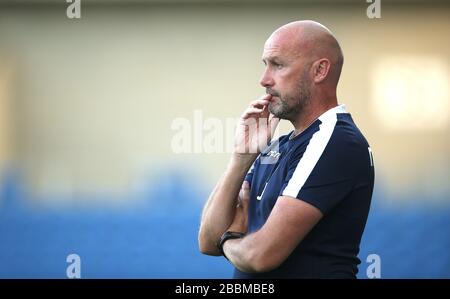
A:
90, 110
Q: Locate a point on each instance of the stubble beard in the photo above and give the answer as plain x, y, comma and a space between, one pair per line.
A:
291, 106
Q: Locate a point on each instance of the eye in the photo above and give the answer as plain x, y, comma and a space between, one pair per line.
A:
278, 66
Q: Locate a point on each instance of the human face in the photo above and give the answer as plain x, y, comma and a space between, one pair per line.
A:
286, 78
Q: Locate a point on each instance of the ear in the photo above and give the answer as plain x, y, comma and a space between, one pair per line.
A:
320, 68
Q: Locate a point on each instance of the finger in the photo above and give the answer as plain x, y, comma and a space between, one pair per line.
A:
267, 96
264, 100
245, 191
259, 103
251, 111
273, 122
265, 113
241, 192
245, 185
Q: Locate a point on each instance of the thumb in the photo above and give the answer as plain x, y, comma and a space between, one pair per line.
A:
273, 123
245, 185
245, 190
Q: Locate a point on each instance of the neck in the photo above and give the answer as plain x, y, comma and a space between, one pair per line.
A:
312, 112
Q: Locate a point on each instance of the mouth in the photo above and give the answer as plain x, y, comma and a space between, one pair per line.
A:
274, 98
273, 93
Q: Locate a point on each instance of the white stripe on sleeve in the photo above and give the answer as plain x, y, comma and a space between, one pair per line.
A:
313, 152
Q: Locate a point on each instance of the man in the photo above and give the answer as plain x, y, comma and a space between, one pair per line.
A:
300, 214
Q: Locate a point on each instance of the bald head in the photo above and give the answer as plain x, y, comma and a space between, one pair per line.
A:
311, 41
303, 65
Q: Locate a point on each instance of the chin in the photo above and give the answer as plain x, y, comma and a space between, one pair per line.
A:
272, 109
276, 112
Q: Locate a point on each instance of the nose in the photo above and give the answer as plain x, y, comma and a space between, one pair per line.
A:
266, 79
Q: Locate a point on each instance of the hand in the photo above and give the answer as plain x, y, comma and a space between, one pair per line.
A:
255, 129
240, 221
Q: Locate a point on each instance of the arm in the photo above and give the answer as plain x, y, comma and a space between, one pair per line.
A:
289, 222
253, 132
220, 209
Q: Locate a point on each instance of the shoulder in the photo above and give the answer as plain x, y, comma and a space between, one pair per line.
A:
334, 139
347, 150
346, 138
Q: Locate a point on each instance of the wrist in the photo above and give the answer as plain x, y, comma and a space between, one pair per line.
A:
245, 160
228, 235
238, 227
